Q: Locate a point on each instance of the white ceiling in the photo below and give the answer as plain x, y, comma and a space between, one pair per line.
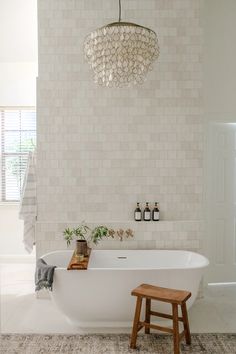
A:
18, 30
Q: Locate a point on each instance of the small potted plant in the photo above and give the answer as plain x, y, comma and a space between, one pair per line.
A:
79, 234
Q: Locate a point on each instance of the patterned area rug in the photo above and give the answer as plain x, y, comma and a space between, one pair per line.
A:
114, 344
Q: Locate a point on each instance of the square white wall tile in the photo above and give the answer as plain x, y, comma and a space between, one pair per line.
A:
101, 150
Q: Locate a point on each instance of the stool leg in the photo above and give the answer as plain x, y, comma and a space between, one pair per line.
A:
136, 323
147, 315
175, 328
186, 324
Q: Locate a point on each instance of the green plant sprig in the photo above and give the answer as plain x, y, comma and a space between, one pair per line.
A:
98, 233
68, 235
78, 233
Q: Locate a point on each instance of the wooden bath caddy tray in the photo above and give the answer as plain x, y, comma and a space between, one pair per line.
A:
75, 264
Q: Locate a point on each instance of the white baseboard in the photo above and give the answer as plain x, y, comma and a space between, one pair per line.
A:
17, 258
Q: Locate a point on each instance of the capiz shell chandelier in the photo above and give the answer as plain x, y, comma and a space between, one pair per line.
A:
121, 53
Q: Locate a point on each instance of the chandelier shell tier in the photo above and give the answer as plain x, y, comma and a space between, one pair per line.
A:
121, 53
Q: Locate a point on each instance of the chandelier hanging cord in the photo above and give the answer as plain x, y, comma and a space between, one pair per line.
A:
119, 10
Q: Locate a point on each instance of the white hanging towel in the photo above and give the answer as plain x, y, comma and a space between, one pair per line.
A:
28, 203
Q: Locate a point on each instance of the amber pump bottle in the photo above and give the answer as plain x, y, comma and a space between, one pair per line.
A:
147, 213
156, 213
138, 213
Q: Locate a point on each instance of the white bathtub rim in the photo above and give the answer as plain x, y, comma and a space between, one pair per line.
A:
204, 261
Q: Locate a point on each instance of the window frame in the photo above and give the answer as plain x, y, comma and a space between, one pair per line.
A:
3, 154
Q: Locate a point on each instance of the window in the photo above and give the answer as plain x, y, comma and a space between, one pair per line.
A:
18, 137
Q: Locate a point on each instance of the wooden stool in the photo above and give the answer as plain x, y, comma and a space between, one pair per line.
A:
171, 296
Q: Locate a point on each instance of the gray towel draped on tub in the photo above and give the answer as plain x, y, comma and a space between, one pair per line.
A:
43, 275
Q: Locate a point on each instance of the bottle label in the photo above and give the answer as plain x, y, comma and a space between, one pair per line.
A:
137, 215
156, 215
147, 215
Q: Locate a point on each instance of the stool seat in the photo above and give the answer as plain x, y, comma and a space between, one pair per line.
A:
161, 294
172, 296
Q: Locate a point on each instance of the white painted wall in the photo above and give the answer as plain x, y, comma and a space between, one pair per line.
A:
17, 84
219, 55
11, 231
18, 31
18, 71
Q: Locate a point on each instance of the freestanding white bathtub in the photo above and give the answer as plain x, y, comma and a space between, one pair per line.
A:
100, 296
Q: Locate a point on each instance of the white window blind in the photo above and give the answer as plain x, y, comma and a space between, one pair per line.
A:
18, 137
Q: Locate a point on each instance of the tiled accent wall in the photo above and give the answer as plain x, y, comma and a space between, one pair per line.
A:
101, 150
